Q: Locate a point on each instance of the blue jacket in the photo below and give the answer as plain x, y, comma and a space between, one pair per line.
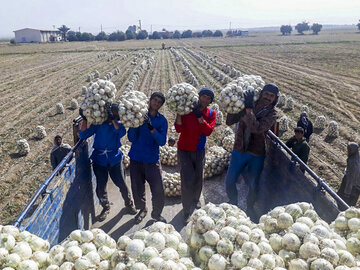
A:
145, 145
106, 143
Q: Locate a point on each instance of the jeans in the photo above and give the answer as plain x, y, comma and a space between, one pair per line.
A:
238, 163
117, 175
151, 172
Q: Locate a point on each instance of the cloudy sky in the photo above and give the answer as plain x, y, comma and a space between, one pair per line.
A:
89, 15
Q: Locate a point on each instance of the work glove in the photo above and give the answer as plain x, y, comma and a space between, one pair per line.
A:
81, 113
249, 99
196, 110
147, 121
109, 111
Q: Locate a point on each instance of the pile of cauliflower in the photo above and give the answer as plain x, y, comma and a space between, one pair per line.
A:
22, 250
126, 159
168, 155
133, 106
232, 96
171, 184
217, 237
217, 160
95, 98
40, 132
23, 147
219, 114
228, 142
181, 97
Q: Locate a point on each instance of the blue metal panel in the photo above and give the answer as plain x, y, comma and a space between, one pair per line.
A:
69, 205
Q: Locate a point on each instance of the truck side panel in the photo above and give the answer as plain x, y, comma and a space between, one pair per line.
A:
69, 205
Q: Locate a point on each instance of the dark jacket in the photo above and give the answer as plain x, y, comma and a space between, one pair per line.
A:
301, 149
58, 153
250, 135
307, 126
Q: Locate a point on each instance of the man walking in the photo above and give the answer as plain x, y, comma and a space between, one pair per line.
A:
194, 128
299, 146
59, 151
249, 148
107, 159
144, 159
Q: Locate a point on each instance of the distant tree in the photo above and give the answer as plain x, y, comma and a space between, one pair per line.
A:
71, 36
167, 35
316, 28
113, 36
12, 41
229, 33
78, 36
63, 30
186, 34
286, 29
358, 25
130, 34
155, 35
207, 33
132, 28
218, 33
101, 36
121, 36
143, 34
302, 27
197, 34
87, 37
176, 34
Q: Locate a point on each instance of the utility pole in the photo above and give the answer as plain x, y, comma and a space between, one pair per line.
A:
230, 26
140, 25
79, 30
101, 27
151, 30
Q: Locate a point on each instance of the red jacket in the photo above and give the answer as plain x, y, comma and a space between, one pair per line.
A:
192, 133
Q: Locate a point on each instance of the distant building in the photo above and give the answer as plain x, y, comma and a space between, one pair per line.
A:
237, 33
37, 35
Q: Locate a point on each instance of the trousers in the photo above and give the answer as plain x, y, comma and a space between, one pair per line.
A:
239, 161
117, 175
150, 172
191, 174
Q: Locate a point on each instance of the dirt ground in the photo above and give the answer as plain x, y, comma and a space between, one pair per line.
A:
320, 71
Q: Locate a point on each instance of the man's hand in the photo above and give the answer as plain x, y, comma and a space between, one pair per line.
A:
81, 113
196, 110
147, 121
109, 111
249, 99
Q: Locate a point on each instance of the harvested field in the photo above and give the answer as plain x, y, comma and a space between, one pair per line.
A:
322, 72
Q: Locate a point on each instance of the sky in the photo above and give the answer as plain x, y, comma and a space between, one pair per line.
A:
114, 15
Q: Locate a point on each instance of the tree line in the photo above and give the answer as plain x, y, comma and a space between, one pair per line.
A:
301, 28
130, 33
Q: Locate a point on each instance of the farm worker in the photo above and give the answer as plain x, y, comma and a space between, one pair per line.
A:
144, 159
299, 146
249, 147
107, 158
350, 186
194, 127
306, 124
58, 152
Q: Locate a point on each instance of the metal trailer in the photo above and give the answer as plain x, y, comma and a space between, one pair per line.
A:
66, 201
